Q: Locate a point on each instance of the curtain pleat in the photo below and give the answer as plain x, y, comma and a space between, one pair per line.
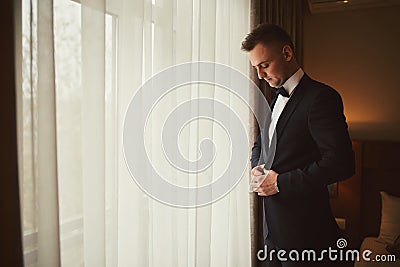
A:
46, 148
93, 131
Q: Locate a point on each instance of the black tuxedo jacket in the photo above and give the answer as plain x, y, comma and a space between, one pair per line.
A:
313, 150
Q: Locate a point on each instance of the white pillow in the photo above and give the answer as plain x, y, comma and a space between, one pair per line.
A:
390, 220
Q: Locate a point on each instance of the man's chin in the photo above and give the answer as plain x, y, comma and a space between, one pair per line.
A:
271, 83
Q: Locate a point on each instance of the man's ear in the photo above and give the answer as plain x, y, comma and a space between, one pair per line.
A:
287, 53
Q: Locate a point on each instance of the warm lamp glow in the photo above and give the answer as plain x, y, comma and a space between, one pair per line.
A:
345, 1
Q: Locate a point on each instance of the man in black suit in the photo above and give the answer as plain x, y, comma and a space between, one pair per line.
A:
313, 150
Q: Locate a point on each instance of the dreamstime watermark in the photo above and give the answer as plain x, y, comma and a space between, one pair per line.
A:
340, 253
146, 99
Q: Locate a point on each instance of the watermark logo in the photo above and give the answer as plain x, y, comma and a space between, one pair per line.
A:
151, 93
341, 243
338, 254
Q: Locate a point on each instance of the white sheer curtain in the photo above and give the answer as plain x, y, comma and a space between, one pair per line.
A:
82, 61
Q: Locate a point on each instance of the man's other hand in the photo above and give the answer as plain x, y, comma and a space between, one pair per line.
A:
268, 186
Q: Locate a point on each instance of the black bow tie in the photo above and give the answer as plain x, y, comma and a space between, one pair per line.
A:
282, 91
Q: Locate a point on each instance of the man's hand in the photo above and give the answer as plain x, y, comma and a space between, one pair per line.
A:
268, 186
257, 170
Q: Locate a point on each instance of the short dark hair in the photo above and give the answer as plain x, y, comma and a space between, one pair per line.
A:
266, 34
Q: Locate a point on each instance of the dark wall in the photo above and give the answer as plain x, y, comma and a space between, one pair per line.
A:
10, 230
355, 51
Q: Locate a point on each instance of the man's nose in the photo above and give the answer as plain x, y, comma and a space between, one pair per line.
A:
260, 73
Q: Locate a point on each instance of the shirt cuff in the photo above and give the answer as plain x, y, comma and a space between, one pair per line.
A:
276, 186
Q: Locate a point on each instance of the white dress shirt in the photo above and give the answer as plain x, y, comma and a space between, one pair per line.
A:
281, 102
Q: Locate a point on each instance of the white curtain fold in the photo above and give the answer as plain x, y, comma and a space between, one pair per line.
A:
93, 132
46, 138
92, 57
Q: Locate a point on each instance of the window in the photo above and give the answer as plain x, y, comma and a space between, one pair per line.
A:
103, 52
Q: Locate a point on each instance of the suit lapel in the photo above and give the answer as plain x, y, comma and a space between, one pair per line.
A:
291, 105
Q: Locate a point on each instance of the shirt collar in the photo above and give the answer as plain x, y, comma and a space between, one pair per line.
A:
293, 81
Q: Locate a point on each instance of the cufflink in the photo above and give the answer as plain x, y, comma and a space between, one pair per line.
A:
276, 187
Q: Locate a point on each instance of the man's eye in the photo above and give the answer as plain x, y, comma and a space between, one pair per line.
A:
264, 66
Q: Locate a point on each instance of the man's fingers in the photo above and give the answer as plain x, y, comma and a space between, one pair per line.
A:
266, 190
258, 170
255, 172
267, 193
267, 182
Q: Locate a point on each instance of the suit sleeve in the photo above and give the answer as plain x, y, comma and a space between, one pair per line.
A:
328, 128
256, 152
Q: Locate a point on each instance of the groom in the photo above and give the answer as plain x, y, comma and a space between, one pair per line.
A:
313, 150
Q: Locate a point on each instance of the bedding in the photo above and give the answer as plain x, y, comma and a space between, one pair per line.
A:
390, 218
377, 247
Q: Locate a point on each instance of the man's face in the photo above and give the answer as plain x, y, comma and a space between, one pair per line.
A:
271, 64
